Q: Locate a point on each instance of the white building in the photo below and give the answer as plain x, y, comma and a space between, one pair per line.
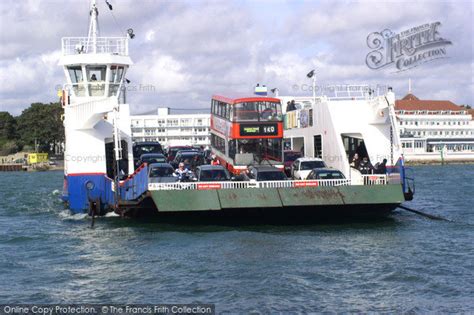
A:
434, 130
172, 129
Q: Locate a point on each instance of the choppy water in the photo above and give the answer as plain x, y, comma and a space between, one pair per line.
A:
404, 263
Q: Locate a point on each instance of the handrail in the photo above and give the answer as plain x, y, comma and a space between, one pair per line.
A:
103, 45
367, 180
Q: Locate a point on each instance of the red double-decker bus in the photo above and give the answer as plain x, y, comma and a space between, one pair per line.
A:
246, 130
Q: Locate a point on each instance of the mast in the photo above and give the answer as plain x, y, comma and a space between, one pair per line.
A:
93, 27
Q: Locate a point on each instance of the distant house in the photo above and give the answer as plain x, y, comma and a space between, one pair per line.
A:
430, 127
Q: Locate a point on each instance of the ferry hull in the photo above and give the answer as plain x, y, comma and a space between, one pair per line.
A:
81, 191
271, 203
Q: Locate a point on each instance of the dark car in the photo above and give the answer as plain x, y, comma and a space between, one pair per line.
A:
161, 173
289, 157
172, 150
141, 148
265, 173
191, 159
212, 173
152, 158
325, 173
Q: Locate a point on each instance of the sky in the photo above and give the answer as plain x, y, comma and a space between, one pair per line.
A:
186, 51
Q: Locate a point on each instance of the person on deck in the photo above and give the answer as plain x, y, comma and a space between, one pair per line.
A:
382, 167
291, 106
365, 167
355, 161
182, 172
214, 160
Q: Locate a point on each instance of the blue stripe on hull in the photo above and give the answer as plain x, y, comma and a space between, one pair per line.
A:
78, 196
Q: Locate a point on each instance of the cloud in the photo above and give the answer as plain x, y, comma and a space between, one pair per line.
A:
189, 50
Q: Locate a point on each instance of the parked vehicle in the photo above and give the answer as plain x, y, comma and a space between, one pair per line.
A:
289, 157
172, 150
212, 173
264, 173
141, 148
303, 166
152, 158
325, 173
191, 159
161, 173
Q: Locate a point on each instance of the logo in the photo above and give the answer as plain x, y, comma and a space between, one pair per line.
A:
407, 49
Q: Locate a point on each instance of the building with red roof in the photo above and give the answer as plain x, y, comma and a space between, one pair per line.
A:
434, 126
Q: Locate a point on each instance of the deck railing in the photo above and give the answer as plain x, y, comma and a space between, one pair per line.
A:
103, 45
368, 180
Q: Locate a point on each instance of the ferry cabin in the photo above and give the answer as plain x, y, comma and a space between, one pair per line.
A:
335, 127
246, 130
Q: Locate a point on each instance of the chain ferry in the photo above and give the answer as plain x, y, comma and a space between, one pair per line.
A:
249, 135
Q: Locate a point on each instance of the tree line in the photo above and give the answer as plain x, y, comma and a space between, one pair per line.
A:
38, 128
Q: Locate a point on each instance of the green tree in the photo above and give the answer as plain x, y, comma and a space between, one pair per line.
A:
7, 126
41, 124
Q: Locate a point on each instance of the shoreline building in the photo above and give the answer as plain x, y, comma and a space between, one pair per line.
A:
171, 129
432, 130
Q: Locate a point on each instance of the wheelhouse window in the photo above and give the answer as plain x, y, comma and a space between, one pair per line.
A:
96, 79
75, 74
115, 78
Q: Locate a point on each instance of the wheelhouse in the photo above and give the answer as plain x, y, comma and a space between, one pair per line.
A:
246, 130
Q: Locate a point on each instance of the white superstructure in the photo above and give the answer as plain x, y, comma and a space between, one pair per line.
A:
335, 128
172, 129
97, 122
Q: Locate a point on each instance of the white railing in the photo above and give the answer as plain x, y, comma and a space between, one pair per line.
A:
374, 179
103, 45
367, 180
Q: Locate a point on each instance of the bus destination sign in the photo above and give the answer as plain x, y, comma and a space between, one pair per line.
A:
259, 130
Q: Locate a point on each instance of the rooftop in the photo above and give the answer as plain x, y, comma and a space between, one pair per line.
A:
411, 102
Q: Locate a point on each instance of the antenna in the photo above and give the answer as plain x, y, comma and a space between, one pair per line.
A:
93, 29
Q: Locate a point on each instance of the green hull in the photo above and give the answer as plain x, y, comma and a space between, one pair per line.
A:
268, 202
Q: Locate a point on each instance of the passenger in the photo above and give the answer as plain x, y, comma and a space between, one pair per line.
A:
382, 167
355, 161
182, 173
187, 163
365, 167
214, 160
93, 77
291, 106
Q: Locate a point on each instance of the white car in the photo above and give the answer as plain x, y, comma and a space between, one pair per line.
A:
303, 166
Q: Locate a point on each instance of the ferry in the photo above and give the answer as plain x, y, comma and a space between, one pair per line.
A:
248, 131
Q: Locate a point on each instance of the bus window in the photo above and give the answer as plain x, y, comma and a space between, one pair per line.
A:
232, 149
269, 111
246, 111
227, 111
262, 149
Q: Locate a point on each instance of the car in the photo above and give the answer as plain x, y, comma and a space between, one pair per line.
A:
152, 158
301, 168
265, 173
172, 150
325, 173
212, 173
140, 148
161, 173
289, 156
191, 159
